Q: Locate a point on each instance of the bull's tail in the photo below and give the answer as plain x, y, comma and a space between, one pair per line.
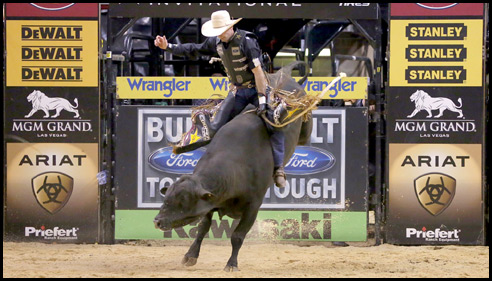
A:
459, 100
76, 101
288, 70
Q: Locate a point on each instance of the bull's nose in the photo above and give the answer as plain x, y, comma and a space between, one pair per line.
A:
156, 224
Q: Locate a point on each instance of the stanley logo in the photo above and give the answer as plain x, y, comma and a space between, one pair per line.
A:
52, 190
435, 191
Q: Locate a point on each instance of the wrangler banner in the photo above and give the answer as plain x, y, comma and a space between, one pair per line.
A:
316, 174
206, 87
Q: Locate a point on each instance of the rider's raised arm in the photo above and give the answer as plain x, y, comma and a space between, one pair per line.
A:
193, 51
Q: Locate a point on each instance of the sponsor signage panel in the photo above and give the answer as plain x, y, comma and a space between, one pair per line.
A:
57, 185
205, 87
436, 124
436, 9
247, 10
269, 225
316, 174
47, 114
435, 115
52, 53
436, 53
435, 194
53, 10
316, 178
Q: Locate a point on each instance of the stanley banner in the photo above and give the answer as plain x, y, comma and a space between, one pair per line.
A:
436, 52
205, 87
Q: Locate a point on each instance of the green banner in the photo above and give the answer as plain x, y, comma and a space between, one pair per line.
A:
269, 225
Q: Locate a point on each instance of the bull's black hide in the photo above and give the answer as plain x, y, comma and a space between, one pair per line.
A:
231, 178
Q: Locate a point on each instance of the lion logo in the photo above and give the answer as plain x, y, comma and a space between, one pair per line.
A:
42, 102
423, 101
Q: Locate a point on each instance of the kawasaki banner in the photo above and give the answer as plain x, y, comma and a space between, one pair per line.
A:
326, 180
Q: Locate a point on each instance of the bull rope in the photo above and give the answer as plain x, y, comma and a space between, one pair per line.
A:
313, 105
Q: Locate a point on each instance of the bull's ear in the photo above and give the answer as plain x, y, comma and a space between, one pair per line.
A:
163, 190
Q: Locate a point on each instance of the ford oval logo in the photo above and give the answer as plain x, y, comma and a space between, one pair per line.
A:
309, 160
166, 161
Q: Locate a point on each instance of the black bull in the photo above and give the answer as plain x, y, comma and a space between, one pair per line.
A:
232, 177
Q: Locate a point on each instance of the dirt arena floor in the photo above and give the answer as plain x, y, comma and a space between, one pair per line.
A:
160, 259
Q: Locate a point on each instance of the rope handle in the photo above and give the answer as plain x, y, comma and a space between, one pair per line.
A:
320, 96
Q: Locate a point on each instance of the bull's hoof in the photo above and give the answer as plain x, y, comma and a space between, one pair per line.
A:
189, 261
230, 268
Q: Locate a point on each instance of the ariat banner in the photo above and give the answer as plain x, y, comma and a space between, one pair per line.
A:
52, 53
436, 53
52, 192
435, 194
207, 87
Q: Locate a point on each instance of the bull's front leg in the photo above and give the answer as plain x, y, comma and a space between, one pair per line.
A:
247, 220
191, 256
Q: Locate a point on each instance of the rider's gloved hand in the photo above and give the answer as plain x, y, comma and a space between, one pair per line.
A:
263, 107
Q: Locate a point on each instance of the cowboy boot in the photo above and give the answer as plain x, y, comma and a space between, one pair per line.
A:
279, 177
203, 128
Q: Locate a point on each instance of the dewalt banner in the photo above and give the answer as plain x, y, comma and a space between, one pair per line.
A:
205, 87
52, 53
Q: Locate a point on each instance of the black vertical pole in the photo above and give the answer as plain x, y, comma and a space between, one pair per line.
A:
106, 191
379, 161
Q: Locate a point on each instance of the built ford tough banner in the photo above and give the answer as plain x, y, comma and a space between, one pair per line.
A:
325, 196
205, 87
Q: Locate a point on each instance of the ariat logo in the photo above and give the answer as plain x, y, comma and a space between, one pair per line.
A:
52, 190
435, 191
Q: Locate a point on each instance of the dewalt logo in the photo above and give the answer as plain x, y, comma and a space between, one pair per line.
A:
52, 33
52, 53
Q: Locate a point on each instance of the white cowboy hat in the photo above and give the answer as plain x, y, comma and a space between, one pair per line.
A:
219, 23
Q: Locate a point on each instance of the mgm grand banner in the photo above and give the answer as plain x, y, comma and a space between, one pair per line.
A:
324, 199
435, 128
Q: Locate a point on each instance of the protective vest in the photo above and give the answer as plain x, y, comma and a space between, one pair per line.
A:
234, 58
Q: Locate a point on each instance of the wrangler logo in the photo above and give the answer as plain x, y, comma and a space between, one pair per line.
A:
52, 190
435, 191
